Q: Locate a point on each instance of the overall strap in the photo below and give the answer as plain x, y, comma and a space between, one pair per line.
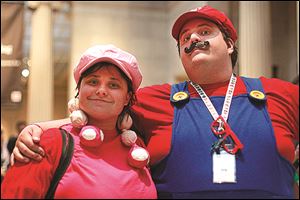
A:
179, 87
255, 89
179, 94
65, 159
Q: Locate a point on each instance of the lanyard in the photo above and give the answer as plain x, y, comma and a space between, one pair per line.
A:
227, 102
219, 126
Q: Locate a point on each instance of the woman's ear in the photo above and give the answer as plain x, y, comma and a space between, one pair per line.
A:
128, 97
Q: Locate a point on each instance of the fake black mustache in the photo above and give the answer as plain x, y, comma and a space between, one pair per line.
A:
200, 45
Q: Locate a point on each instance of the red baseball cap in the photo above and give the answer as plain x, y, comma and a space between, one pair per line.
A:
111, 54
206, 12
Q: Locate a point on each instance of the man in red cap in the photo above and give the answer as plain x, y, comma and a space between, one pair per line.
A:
218, 135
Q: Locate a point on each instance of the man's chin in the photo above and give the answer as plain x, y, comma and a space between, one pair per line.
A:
198, 61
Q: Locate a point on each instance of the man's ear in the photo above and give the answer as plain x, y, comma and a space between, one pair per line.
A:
230, 45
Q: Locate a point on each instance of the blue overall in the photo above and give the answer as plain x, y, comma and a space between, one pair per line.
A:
187, 171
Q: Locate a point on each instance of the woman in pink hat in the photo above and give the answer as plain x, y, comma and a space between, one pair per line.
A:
107, 159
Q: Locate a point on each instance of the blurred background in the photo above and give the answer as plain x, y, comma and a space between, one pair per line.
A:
42, 41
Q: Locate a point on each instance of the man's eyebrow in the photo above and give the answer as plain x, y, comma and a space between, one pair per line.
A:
200, 25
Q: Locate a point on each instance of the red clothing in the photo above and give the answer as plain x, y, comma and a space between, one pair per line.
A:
154, 114
32, 180
94, 172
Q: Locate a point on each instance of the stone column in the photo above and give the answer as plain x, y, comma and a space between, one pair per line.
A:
71, 82
255, 39
40, 85
75, 53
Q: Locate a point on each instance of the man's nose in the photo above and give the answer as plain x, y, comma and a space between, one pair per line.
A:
195, 37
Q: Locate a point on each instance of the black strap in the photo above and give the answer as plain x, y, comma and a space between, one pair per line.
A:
66, 156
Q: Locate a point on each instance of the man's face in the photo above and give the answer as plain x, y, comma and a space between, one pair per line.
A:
208, 60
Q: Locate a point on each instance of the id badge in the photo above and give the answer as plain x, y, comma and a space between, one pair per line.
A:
224, 167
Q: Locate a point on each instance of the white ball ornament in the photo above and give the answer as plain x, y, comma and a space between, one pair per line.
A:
128, 137
138, 157
78, 118
91, 136
73, 104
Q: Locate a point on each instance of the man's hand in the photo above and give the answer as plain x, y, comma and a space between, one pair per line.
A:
27, 147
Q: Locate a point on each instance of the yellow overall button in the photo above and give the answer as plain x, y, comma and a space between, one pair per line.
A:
179, 96
257, 95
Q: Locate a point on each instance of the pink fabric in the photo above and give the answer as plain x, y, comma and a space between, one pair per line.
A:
109, 53
103, 172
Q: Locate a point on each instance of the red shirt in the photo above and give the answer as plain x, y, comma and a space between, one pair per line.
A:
154, 114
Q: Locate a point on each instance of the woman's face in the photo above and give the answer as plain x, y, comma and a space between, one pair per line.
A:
103, 94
